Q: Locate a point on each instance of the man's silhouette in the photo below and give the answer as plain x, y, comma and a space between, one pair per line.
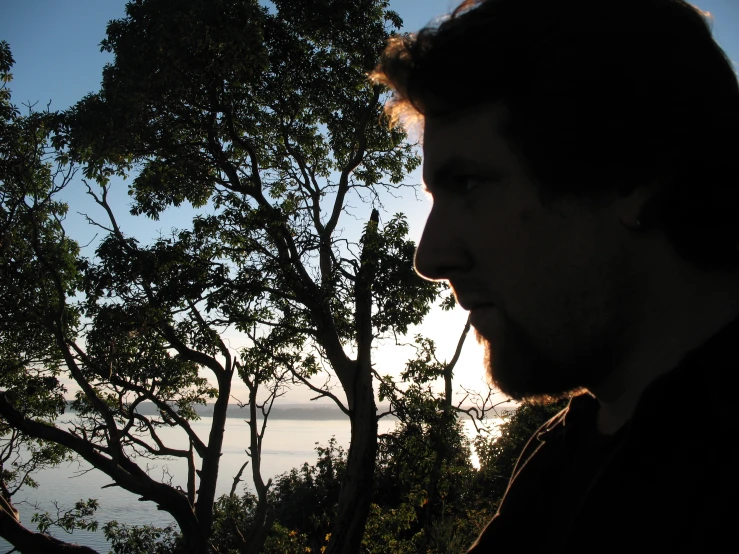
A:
583, 160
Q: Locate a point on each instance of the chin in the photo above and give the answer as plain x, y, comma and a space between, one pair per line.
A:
520, 370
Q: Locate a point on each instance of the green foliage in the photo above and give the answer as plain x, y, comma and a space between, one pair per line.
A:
6, 64
387, 529
132, 293
498, 455
31, 241
79, 517
400, 300
233, 517
141, 539
33, 313
283, 541
454, 533
302, 507
407, 466
197, 87
270, 119
305, 499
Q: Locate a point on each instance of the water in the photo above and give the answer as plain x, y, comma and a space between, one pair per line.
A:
287, 444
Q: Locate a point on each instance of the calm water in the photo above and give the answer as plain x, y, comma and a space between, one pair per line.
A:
287, 444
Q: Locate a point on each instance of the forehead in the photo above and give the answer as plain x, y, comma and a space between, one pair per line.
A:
473, 135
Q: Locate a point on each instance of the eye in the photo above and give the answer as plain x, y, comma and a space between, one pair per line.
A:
467, 183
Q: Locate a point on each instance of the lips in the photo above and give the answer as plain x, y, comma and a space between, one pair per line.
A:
479, 308
470, 295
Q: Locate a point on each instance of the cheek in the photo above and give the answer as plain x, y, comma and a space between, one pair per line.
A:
531, 265
571, 301
510, 252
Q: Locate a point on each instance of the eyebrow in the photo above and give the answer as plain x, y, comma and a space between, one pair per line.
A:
455, 166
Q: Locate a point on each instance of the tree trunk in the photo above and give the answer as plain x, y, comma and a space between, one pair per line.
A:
440, 435
195, 541
433, 488
212, 459
356, 490
262, 523
355, 496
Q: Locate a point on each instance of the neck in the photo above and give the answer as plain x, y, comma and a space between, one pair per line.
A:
681, 319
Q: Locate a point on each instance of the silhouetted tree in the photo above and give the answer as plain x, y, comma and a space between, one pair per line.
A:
263, 118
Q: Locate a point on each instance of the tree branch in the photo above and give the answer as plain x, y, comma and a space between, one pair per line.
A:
29, 542
238, 478
128, 475
352, 164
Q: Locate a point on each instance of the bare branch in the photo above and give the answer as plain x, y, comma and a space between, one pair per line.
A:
128, 475
238, 478
352, 164
322, 393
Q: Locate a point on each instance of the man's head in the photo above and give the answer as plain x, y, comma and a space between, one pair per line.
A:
557, 137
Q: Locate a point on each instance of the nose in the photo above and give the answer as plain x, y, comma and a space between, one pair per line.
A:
440, 253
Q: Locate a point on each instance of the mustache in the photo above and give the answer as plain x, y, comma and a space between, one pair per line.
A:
469, 295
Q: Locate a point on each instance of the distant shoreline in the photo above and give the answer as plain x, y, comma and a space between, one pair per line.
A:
288, 411
302, 412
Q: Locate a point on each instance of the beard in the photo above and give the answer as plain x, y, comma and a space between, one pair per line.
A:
523, 371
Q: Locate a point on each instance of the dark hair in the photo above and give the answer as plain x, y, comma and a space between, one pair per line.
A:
601, 94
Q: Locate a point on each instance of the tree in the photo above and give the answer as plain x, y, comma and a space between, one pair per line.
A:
31, 240
265, 120
426, 479
41, 327
423, 483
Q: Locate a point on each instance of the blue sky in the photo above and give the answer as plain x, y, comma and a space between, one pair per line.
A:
55, 44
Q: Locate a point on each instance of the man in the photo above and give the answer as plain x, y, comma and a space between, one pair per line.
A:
583, 161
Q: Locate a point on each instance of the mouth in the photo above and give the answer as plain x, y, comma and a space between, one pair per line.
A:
471, 297
478, 308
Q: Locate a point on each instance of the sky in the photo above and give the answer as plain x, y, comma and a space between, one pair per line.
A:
55, 44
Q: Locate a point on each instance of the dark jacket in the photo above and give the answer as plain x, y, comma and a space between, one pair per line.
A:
667, 482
